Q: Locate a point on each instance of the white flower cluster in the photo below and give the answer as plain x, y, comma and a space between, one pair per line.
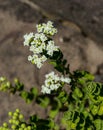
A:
53, 82
47, 28
40, 43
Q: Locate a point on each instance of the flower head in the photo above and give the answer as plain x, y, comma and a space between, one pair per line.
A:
40, 37
35, 59
47, 28
41, 44
66, 79
51, 48
53, 82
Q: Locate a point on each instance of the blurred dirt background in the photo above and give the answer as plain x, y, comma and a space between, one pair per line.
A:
80, 37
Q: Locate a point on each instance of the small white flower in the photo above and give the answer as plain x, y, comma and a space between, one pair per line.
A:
40, 61
47, 28
35, 59
43, 38
39, 64
32, 48
27, 38
51, 48
39, 28
45, 90
30, 58
65, 79
55, 86
40, 37
43, 58
35, 50
53, 82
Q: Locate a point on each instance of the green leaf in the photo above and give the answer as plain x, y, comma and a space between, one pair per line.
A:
18, 86
33, 118
44, 102
98, 124
24, 94
94, 109
53, 113
64, 62
77, 92
83, 76
53, 63
34, 91
68, 115
100, 112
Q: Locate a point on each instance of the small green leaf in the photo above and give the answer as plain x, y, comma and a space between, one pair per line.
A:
53, 63
44, 102
34, 91
94, 109
77, 92
53, 113
100, 112
98, 124
24, 94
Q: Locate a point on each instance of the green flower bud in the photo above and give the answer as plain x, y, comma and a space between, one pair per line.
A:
13, 127
15, 114
17, 110
20, 128
21, 116
15, 117
10, 121
23, 125
17, 122
10, 113
29, 128
5, 125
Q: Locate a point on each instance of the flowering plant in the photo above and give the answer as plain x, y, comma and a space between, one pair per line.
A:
78, 106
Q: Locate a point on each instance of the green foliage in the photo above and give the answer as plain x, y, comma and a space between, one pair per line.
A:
82, 108
59, 63
78, 106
